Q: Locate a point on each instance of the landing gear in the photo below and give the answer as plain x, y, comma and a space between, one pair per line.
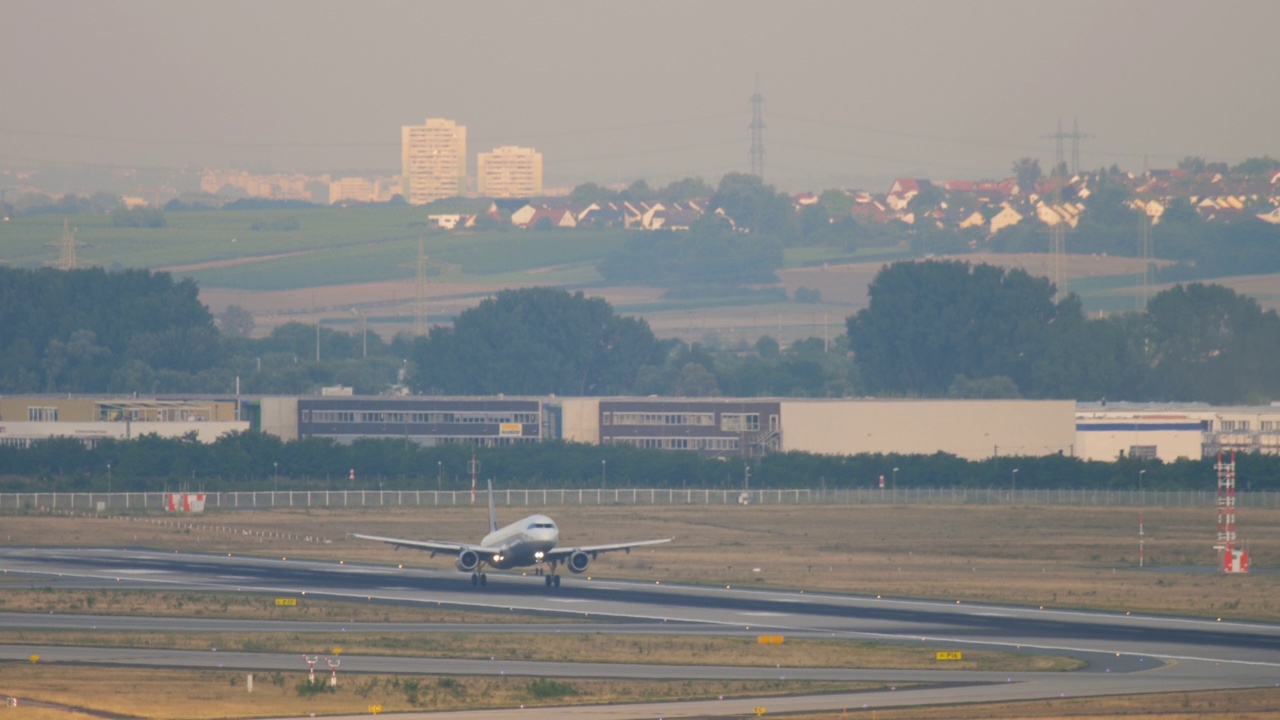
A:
478, 579
553, 580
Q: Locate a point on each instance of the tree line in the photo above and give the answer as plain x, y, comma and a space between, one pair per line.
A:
932, 329
254, 461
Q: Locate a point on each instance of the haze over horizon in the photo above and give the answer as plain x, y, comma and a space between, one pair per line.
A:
855, 94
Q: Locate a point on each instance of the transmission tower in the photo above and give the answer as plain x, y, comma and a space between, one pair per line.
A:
1058, 252
1075, 135
1145, 239
757, 132
1075, 146
66, 248
1058, 136
420, 311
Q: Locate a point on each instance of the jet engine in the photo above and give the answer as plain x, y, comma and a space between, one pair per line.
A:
468, 561
578, 562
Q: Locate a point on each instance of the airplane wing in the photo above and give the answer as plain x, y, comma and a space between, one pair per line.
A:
561, 553
432, 546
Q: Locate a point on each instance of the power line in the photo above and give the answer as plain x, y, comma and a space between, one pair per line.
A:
912, 136
882, 158
349, 144
649, 151
757, 132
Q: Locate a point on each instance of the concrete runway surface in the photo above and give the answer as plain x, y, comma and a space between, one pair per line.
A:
1126, 654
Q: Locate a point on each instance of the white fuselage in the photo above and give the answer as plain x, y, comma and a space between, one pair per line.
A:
521, 543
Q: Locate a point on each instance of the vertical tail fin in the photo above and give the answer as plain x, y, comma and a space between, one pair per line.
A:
493, 512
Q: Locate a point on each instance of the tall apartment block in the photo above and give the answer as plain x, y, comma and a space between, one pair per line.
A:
433, 160
509, 172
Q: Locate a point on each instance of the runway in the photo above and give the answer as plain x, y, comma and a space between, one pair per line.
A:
1126, 653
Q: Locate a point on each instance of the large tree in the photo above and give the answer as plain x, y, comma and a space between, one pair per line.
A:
1027, 172
1208, 343
932, 321
710, 253
536, 341
755, 207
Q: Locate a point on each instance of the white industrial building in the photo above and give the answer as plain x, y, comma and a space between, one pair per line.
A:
750, 427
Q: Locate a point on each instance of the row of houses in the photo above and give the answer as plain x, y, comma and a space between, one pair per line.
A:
621, 214
988, 206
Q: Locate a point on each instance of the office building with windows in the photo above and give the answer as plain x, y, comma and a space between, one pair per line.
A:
509, 172
433, 160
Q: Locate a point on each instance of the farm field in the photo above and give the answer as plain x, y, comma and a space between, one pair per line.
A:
342, 263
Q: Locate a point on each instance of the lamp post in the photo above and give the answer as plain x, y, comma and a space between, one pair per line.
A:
603, 475
1140, 474
275, 474
108, 479
893, 481
1015, 484
439, 475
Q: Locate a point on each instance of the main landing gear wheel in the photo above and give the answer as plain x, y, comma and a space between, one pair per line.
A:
478, 579
553, 581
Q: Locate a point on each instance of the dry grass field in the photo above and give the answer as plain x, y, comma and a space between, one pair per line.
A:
169, 694
575, 644
1063, 557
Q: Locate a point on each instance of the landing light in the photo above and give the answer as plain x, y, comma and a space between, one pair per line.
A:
538, 555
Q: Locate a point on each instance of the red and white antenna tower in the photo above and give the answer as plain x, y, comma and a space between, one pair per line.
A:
1231, 559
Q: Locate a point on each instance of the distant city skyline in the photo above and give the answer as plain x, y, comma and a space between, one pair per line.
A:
855, 94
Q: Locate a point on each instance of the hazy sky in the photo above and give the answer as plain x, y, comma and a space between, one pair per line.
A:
856, 93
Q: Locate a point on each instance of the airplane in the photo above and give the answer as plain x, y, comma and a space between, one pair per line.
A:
525, 543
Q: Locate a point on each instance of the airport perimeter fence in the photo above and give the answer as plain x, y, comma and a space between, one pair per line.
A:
157, 501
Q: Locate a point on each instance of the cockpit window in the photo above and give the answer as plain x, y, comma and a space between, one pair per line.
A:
548, 526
